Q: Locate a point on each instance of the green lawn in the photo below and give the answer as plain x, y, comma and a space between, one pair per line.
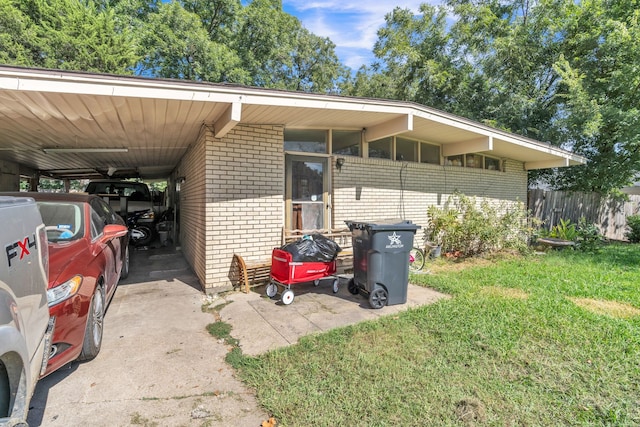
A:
538, 341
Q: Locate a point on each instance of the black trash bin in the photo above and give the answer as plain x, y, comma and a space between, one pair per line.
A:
381, 260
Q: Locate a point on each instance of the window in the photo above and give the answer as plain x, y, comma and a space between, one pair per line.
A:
429, 154
97, 223
492, 164
474, 161
454, 161
406, 150
307, 141
345, 142
380, 149
63, 221
104, 210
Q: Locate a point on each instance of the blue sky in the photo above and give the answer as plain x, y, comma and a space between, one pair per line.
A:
350, 24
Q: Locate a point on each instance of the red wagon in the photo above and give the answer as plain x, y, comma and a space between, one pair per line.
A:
286, 272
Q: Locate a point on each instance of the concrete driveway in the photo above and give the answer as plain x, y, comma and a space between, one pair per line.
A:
158, 365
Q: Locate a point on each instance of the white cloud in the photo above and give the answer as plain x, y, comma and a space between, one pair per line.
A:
351, 24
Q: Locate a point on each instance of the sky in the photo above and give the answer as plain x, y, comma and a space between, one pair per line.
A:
350, 24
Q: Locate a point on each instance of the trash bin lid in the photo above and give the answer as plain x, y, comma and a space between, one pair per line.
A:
383, 225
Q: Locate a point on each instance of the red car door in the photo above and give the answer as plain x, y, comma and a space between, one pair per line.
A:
102, 215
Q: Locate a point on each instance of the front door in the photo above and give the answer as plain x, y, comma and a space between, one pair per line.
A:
307, 192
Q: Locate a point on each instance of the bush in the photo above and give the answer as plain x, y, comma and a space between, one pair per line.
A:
588, 238
469, 228
565, 230
633, 223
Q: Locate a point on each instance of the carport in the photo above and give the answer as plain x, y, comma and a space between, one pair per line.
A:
221, 149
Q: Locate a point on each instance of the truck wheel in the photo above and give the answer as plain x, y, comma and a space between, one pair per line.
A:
5, 392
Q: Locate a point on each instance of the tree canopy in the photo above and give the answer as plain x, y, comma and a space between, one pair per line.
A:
208, 40
562, 71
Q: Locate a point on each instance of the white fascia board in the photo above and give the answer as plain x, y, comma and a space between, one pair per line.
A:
472, 146
118, 88
547, 164
143, 88
462, 123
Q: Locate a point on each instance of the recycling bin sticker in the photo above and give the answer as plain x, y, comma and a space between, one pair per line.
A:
394, 241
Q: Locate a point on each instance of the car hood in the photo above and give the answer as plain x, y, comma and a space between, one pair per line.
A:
67, 259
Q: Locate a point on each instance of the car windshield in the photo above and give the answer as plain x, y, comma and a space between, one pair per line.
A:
132, 190
63, 220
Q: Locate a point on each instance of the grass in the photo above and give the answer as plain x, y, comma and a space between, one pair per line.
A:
540, 341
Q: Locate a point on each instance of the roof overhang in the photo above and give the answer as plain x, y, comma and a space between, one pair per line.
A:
141, 126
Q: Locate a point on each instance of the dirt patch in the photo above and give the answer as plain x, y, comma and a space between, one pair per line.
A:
607, 308
444, 265
470, 411
505, 292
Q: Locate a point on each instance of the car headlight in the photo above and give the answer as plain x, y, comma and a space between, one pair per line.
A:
148, 215
64, 291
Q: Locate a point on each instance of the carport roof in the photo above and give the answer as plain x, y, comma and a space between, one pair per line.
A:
142, 126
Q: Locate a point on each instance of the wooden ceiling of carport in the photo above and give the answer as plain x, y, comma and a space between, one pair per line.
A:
158, 119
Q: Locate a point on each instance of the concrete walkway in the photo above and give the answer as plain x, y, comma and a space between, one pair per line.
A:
158, 365
262, 324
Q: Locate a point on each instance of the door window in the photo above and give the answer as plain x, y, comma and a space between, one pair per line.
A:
306, 192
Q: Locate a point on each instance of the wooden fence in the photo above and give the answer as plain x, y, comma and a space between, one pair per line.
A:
608, 214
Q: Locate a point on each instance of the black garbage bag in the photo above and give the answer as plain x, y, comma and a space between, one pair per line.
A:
313, 248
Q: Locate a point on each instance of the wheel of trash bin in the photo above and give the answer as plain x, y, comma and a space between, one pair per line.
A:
378, 298
272, 290
353, 288
316, 282
287, 297
335, 286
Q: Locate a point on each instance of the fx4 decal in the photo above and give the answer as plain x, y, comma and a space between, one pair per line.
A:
20, 248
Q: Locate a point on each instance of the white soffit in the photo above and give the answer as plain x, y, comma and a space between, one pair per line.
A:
158, 119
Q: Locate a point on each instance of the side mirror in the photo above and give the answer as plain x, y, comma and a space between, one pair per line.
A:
112, 231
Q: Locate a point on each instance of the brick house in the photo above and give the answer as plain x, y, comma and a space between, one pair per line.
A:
243, 163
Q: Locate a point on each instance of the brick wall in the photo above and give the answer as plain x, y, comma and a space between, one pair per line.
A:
232, 197
245, 183
231, 200
192, 216
370, 189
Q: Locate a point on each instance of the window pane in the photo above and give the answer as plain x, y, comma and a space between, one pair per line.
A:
430, 154
406, 150
474, 161
491, 164
453, 160
308, 141
346, 142
380, 149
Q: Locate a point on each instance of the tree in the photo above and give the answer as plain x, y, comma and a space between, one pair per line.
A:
178, 46
555, 70
66, 34
18, 37
279, 53
600, 88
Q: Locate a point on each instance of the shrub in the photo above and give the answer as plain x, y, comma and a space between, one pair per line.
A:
633, 223
564, 230
469, 228
588, 237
